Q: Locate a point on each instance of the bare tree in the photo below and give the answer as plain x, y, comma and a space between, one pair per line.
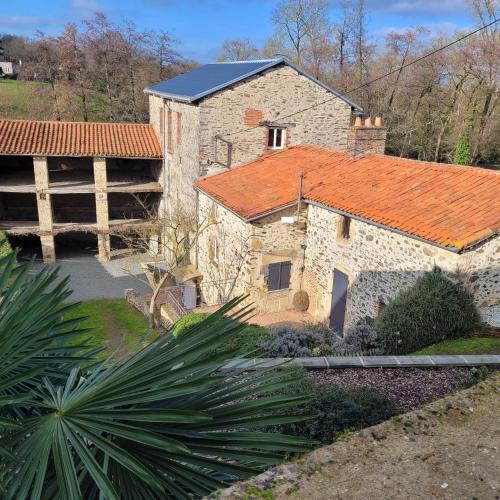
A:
239, 49
168, 238
299, 21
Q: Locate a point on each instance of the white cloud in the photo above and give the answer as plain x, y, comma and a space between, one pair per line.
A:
432, 29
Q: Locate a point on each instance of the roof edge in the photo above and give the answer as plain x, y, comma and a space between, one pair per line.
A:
271, 63
383, 226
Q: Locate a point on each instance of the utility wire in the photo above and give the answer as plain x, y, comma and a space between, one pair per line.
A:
400, 68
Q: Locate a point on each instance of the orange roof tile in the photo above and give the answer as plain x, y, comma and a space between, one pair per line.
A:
450, 205
51, 138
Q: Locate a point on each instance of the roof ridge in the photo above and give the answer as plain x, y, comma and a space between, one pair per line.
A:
62, 122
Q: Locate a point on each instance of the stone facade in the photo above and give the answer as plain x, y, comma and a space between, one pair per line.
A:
380, 263
203, 143
245, 251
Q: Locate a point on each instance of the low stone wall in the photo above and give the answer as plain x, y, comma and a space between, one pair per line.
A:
447, 449
138, 301
332, 362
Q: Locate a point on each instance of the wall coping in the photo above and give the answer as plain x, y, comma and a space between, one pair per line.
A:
331, 362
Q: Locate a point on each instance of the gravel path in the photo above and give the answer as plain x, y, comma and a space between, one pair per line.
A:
91, 279
407, 387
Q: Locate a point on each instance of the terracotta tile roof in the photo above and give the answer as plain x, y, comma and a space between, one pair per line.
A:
51, 138
446, 204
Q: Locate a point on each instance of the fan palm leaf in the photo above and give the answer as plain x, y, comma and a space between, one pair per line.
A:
165, 423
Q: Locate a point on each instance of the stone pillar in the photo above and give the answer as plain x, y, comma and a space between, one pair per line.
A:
44, 205
102, 209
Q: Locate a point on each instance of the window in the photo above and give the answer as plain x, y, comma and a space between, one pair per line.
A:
278, 277
344, 227
179, 128
276, 138
169, 131
213, 250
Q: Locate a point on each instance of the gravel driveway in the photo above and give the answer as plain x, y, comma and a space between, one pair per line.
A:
91, 279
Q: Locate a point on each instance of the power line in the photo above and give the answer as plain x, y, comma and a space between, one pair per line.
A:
400, 68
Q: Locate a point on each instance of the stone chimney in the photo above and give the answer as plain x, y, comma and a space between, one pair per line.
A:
365, 138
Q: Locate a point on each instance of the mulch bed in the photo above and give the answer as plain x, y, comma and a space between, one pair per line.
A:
407, 387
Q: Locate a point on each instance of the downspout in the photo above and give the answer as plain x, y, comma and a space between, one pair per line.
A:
303, 246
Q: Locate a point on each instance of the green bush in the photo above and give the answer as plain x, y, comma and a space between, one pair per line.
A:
5, 248
337, 410
433, 310
188, 321
246, 341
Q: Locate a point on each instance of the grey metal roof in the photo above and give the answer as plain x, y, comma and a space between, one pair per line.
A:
210, 78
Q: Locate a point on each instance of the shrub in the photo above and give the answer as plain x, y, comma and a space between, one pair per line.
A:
361, 338
337, 410
5, 248
246, 341
188, 321
290, 342
433, 310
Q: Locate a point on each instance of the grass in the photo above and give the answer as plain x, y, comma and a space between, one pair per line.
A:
113, 323
35, 101
473, 345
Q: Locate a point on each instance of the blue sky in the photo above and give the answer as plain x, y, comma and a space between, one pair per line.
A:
200, 26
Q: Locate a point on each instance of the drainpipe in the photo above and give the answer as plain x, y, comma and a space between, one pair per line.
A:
299, 199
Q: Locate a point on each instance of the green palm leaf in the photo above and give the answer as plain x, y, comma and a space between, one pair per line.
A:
158, 425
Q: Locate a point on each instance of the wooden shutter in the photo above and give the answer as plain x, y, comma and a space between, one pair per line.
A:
346, 227
279, 275
179, 128
285, 273
169, 131
339, 300
273, 278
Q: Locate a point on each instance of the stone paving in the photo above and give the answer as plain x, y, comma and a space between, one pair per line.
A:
92, 279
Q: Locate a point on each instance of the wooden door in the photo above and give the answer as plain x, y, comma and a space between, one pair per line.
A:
339, 300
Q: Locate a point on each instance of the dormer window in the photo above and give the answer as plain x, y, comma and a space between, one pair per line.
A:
276, 137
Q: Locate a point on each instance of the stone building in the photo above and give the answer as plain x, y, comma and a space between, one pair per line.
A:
225, 114
349, 232
64, 178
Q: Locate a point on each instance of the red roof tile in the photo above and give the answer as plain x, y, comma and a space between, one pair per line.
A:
449, 205
51, 138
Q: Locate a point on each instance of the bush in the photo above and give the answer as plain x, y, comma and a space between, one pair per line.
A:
246, 341
188, 321
433, 310
5, 248
290, 342
338, 410
361, 338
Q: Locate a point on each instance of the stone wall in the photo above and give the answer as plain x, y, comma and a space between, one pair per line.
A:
276, 93
182, 158
245, 252
381, 263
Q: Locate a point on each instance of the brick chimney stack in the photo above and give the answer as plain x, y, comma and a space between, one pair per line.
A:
366, 138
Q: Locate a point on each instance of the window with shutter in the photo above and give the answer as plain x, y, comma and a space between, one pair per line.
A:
279, 276
170, 145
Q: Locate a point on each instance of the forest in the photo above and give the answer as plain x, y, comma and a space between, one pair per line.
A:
443, 108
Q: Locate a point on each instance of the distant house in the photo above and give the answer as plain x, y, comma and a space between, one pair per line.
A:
6, 68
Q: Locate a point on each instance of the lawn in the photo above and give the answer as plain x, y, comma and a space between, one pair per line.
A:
35, 101
114, 325
473, 345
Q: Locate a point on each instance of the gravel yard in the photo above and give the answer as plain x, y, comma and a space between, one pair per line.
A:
407, 387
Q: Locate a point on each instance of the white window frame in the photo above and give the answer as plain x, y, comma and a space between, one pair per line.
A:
273, 131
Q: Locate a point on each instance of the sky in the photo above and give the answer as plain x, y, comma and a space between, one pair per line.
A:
200, 26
